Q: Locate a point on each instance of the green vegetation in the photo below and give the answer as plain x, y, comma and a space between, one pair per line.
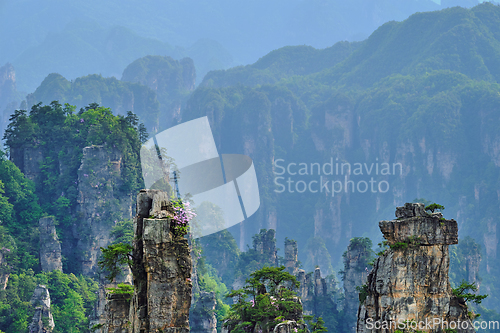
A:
434, 206
363, 292
19, 215
267, 299
462, 291
122, 289
209, 281
315, 327
114, 257
72, 301
59, 135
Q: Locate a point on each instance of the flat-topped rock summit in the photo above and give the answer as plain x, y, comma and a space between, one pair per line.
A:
409, 281
414, 222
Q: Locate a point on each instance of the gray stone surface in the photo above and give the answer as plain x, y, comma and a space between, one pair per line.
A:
42, 321
202, 315
412, 283
50, 247
98, 177
162, 270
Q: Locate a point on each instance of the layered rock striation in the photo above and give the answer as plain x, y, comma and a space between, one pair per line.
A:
409, 282
99, 205
50, 248
42, 321
162, 269
202, 316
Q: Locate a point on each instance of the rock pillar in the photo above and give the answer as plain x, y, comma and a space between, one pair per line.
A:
409, 281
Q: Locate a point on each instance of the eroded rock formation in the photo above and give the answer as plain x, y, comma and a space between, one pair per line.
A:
409, 281
9, 97
355, 271
265, 244
99, 204
172, 80
117, 310
50, 248
162, 269
202, 316
291, 254
42, 321
318, 294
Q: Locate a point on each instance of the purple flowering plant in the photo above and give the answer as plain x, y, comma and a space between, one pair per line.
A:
183, 214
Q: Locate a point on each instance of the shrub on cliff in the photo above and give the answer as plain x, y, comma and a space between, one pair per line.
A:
60, 135
266, 300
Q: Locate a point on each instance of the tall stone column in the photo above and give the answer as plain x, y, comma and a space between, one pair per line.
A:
162, 269
409, 281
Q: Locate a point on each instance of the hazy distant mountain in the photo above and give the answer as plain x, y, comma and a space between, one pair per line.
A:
41, 37
423, 93
84, 48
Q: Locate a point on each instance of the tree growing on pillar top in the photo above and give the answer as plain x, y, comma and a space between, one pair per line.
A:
266, 300
433, 207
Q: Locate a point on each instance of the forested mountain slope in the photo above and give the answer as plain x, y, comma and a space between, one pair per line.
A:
420, 95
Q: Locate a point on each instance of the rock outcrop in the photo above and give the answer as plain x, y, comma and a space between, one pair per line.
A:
318, 295
50, 248
4, 269
355, 272
162, 269
100, 205
265, 244
9, 97
42, 321
117, 313
202, 315
409, 282
171, 79
100, 317
291, 256
27, 159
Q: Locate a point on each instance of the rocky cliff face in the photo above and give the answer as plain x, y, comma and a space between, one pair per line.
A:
27, 159
162, 269
172, 81
117, 313
265, 244
291, 256
318, 295
42, 320
202, 315
50, 248
9, 99
465, 260
4, 270
355, 271
100, 206
409, 281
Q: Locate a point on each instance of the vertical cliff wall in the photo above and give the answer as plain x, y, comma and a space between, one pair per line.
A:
162, 269
356, 260
202, 316
117, 311
409, 281
50, 248
42, 321
99, 206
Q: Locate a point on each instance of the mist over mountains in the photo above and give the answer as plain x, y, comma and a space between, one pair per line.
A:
411, 85
76, 38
